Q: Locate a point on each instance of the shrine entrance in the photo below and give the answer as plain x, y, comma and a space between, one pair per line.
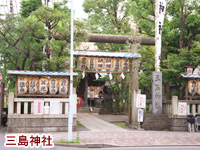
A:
94, 65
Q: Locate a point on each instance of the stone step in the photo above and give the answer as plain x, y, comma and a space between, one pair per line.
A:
88, 110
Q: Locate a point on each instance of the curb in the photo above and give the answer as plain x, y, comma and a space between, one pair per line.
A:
82, 145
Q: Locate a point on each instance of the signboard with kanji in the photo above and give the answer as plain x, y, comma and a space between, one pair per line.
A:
157, 92
141, 101
182, 108
140, 115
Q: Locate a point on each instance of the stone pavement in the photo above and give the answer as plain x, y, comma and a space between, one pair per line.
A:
96, 124
107, 135
110, 135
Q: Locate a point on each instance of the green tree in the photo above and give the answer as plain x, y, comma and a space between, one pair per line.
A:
23, 41
180, 30
28, 6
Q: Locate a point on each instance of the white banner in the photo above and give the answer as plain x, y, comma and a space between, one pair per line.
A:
160, 15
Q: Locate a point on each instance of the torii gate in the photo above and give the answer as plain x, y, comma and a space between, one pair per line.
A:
134, 69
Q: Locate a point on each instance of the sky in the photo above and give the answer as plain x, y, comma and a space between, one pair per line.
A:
79, 13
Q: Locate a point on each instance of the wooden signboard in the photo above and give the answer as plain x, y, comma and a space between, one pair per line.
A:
43, 85
192, 86
33, 85
53, 86
22, 85
83, 63
63, 86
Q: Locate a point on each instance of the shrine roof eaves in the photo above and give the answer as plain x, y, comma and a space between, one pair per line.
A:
39, 73
107, 54
190, 76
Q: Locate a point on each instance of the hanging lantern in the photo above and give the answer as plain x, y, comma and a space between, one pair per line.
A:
125, 64
198, 87
33, 85
116, 64
82, 63
189, 69
53, 86
108, 63
63, 86
22, 85
192, 87
43, 85
99, 62
91, 63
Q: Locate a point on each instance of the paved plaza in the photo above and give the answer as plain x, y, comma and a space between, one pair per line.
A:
101, 132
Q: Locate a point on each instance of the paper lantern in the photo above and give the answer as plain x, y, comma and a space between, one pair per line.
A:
125, 64
91, 63
82, 63
117, 64
192, 87
53, 86
33, 85
99, 63
108, 63
63, 86
43, 85
198, 87
22, 85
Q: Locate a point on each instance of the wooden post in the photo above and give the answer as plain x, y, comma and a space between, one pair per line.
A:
186, 90
86, 90
134, 89
16, 85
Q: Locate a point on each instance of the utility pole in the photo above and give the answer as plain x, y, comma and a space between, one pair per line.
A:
70, 118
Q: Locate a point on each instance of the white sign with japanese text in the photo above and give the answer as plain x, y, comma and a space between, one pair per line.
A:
182, 109
38, 107
140, 115
141, 101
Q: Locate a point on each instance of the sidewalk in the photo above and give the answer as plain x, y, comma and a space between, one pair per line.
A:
104, 133
101, 133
